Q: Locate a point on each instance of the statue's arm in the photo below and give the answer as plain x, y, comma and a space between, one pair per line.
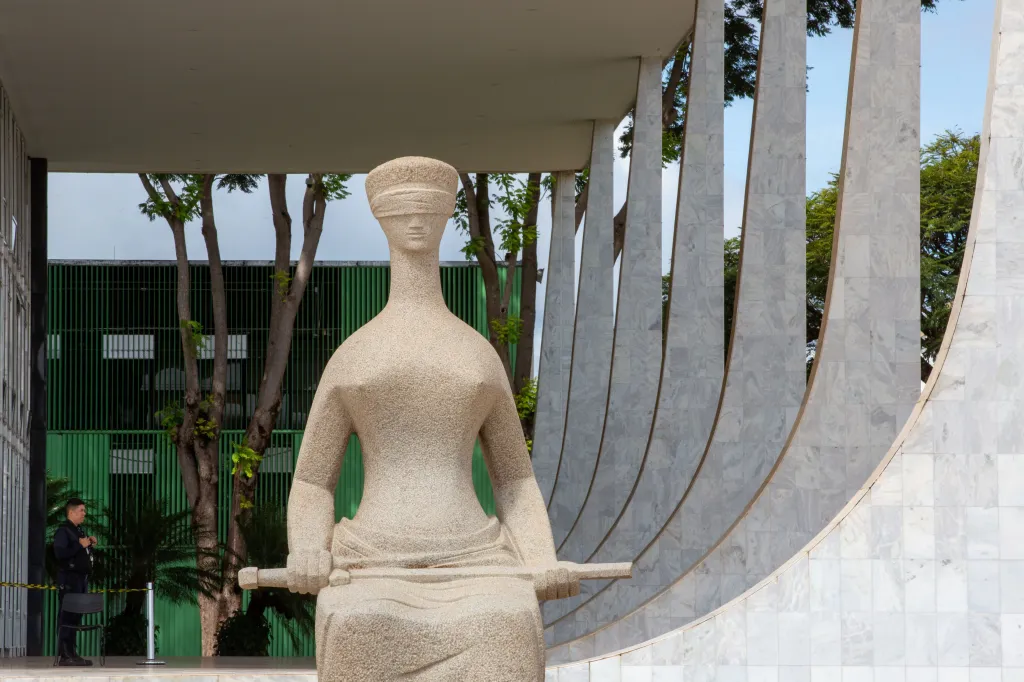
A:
311, 501
520, 506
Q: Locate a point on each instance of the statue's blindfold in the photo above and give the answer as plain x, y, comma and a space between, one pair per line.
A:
412, 201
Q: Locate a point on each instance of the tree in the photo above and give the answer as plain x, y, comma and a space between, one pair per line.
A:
247, 632
949, 171
515, 226
194, 426
742, 33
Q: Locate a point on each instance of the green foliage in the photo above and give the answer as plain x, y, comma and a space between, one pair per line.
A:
247, 633
582, 178
244, 459
473, 247
187, 187
238, 181
334, 184
146, 542
508, 330
949, 171
206, 428
170, 418
196, 337
514, 197
526, 400
731, 274
282, 282
821, 218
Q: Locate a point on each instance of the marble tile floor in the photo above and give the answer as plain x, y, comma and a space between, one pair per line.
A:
233, 669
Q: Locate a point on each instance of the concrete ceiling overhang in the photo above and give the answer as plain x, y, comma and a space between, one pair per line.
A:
301, 85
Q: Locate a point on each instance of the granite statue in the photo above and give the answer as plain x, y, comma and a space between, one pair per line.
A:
421, 584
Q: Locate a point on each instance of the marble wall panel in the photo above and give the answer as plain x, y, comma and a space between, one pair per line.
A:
918, 577
557, 338
766, 370
567, 486
637, 345
866, 377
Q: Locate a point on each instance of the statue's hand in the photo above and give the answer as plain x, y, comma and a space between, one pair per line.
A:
309, 571
559, 581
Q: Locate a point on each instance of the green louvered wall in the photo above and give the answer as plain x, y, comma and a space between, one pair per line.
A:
107, 380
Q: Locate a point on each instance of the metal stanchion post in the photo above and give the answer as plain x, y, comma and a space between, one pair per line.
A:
150, 628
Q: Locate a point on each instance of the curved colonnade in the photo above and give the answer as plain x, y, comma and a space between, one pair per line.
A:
921, 575
706, 523
738, 525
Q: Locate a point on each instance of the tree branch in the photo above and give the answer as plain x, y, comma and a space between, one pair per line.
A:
528, 292
169, 192
150, 189
219, 299
668, 97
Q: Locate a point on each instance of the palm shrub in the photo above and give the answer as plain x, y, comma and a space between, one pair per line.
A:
247, 631
146, 542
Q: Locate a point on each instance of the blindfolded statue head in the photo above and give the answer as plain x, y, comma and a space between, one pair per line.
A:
412, 197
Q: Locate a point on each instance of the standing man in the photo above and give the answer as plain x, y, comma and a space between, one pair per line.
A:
73, 550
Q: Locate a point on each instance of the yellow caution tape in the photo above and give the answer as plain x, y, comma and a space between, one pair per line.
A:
30, 586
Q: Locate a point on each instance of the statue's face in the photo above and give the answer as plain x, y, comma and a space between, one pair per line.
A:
414, 232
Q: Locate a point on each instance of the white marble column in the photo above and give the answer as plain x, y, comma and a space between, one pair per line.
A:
636, 359
592, 344
556, 340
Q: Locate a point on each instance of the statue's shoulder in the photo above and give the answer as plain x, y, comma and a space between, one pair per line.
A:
347, 353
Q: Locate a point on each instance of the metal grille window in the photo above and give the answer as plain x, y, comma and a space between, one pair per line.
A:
128, 347
238, 345
131, 461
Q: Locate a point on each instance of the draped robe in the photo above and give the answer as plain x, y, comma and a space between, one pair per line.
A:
462, 630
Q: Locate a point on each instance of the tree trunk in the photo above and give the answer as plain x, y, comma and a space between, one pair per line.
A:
479, 217
200, 463
287, 297
208, 450
528, 302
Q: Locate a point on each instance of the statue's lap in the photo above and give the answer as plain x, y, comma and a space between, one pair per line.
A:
480, 628
467, 629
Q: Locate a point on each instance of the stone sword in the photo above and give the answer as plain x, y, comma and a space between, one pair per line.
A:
252, 578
